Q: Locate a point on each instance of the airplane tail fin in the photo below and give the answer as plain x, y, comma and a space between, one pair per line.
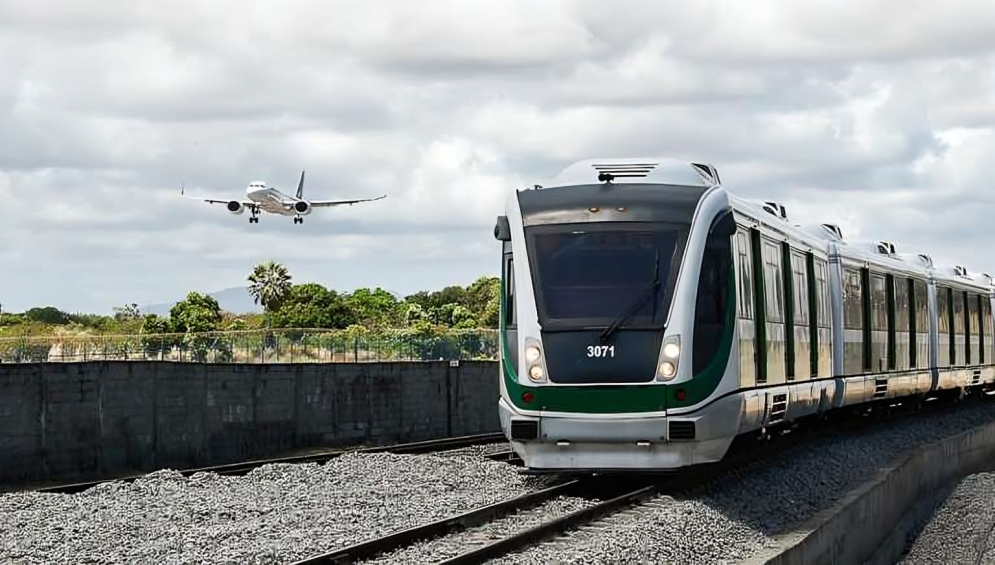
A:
300, 187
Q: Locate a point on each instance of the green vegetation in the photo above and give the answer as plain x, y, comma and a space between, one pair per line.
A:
303, 321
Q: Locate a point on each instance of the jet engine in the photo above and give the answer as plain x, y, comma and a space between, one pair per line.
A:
302, 208
236, 207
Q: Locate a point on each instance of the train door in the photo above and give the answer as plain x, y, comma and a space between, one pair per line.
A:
746, 306
822, 335
776, 334
801, 325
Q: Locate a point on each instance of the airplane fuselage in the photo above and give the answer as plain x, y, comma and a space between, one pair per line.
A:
272, 200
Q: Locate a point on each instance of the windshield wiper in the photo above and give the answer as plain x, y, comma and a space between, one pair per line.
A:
637, 305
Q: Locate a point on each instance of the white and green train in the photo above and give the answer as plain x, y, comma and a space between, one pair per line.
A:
649, 317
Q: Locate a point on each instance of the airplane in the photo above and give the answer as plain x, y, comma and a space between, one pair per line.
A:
269, 199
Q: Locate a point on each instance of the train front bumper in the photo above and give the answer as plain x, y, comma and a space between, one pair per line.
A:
611, 443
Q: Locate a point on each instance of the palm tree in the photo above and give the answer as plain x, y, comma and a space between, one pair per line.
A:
269, 285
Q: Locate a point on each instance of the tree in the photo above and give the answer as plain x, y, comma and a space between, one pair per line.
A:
287, 305
462, 318
452, 294
155, 324
153, 342
374, 308
414, 313
311, 305
47, 315
484, 298
269, 285
196, 313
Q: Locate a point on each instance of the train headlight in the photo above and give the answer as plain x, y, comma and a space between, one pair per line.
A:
670, 358
532, 354
671, 350
534, 361
536, 373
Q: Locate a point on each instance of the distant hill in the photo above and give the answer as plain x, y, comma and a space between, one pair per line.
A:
235, 300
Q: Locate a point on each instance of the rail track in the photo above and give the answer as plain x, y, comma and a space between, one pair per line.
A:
244, 467
610, 496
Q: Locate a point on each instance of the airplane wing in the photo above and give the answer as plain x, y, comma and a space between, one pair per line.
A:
246, 203
326, 203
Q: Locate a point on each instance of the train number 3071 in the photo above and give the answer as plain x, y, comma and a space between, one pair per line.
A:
600, 350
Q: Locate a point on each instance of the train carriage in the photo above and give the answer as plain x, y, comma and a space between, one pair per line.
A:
962, 345
649, 317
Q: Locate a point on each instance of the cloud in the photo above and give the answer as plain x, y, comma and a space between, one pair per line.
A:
875, 115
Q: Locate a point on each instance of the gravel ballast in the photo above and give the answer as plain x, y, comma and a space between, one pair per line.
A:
275, 514
961, 531
733, 519
460, 542
282, 513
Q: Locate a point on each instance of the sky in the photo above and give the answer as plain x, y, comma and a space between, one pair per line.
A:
875, 115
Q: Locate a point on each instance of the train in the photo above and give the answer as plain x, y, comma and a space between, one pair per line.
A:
649, 317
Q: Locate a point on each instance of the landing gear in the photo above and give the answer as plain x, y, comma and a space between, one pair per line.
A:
298, 220
254, 218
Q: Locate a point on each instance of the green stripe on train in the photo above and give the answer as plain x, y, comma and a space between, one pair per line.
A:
621, 399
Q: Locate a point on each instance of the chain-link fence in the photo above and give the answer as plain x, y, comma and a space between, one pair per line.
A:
255, 346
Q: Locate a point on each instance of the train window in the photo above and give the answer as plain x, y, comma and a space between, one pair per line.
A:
712, 301
759, 305
878, 323
910, 289
889, 291
973, 301
799, 288
900, 326
952, 325
943, 321
745, 276
945, 328
987, 329
922, 322
868, 349
970, 310
812, 300
510, 297
970, 328
922, 307
902, 307
879, 312
822, 288
591, 276
790, 307
772, 282
982, 330
958, 302
853, 318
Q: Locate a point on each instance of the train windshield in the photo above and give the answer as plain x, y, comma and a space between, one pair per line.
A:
588, 275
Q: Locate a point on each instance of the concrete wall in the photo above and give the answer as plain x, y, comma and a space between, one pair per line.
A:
862, 527
79, 421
